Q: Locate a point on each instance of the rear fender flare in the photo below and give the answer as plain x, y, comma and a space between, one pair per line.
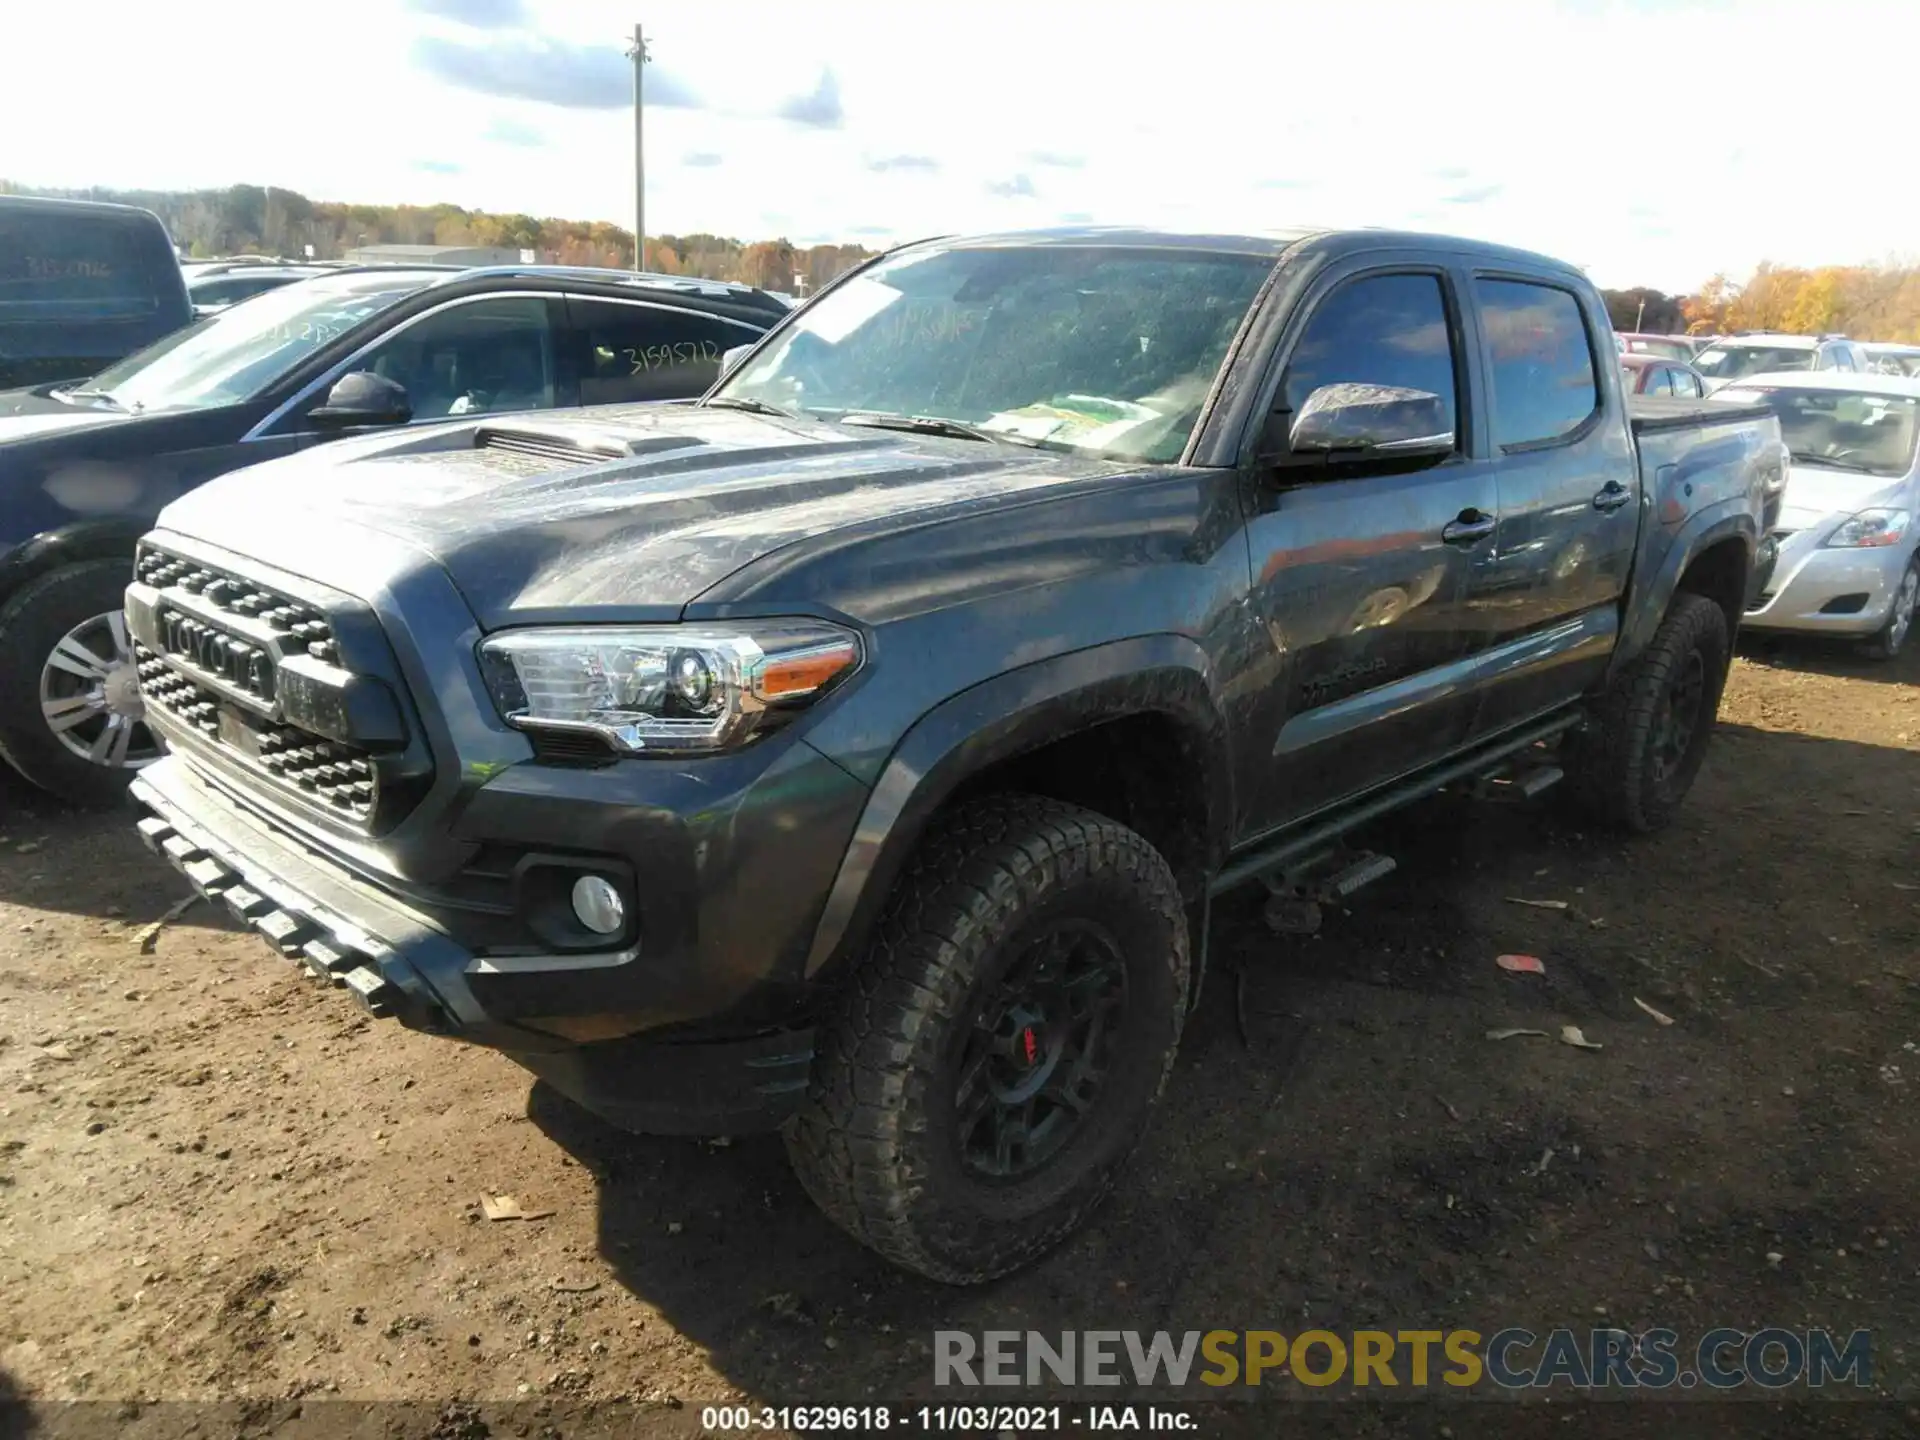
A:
1006, 716
1649, 600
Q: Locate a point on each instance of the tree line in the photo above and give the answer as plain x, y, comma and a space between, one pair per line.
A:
1867, 302
255, 219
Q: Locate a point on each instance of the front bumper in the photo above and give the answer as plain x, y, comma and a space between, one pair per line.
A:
397, 964
1814, 590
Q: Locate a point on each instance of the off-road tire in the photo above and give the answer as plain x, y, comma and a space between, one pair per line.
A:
32, 622
1890, 640
876, 1144
1611, 769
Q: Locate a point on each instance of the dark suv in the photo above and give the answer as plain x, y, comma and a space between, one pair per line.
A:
80, 286
85, 468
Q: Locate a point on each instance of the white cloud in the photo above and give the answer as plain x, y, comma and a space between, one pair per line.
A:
1651, 142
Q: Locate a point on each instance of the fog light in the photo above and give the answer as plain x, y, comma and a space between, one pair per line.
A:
598, 905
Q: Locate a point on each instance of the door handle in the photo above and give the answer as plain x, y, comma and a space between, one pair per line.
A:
1612, 496
1471, 526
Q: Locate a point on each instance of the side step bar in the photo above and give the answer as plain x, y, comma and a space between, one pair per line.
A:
1289, 853
1520, 781
1328, 878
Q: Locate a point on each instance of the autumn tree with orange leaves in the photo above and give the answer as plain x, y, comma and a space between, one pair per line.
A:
1866, 302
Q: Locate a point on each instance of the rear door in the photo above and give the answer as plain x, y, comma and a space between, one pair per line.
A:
626, 351
1360, 571
1545, 596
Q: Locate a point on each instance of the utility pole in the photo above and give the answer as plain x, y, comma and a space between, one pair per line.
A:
1640, 315
639, 54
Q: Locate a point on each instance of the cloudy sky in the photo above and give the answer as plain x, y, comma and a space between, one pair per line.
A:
1653, 141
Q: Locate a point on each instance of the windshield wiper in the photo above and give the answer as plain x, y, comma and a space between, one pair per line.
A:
1807, 457
106, 395
755, 407
924, 425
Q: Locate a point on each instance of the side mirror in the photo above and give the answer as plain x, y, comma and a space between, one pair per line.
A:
733, 357
1358, 421
364, 398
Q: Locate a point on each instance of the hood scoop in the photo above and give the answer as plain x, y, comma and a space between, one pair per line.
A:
574, 445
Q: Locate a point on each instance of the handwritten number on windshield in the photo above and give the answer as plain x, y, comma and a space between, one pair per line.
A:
643, 359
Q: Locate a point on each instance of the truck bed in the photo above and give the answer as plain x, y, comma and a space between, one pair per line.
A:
1669, 412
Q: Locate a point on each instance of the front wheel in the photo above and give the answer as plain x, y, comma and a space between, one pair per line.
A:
1891, 638
1638, 757
998, 1049
71, 718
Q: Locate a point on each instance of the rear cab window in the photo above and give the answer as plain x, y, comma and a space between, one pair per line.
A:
67, 266
1545, 386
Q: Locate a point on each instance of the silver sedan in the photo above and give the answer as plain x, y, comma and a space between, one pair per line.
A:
1850, 519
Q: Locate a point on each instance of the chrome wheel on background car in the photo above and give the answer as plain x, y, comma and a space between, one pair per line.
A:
1906, 599
90, 696
71, 718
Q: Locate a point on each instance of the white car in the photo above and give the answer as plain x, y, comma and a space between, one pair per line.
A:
1894, 359
1846, 532
1738, 357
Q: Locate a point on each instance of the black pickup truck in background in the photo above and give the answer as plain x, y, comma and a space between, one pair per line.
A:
859, 750
81, 286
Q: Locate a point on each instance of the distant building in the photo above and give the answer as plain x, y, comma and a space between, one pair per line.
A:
432, 255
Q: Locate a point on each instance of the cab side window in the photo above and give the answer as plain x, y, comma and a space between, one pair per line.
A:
486, 356
1378, 330
1544, 387
631, 352
1662, 383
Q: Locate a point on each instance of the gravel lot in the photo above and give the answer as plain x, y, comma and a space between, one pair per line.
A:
218, 1182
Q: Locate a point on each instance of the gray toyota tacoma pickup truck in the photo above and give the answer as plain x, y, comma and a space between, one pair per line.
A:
858, 750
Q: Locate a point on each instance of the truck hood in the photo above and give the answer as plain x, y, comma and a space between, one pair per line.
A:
627, 513
1815, 492
34, 414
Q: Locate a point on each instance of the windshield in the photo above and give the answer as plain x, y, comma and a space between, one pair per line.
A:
1729, 362
237, 353
1839, 429
1095, 348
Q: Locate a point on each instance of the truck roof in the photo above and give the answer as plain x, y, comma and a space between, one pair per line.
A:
50, 205
1255, 242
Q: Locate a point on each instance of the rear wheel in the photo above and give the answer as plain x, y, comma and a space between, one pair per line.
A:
998, 1049
1891, 638
71, 718
1638, 757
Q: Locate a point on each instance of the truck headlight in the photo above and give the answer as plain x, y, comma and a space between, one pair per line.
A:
1870, 528
666, 689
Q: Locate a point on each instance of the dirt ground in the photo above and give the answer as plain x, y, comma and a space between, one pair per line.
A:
218, 1182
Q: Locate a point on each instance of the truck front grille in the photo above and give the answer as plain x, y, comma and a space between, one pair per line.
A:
305, 626
289, 687
340, 777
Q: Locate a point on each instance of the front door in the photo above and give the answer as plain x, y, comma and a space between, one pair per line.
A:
1360, 571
